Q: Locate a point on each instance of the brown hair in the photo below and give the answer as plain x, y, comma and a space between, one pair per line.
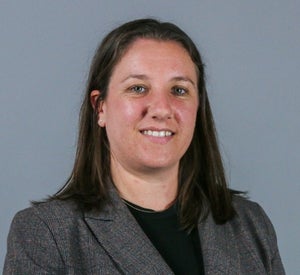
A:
202, 182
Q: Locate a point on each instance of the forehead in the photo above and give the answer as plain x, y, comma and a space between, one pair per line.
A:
148, 45
155, 55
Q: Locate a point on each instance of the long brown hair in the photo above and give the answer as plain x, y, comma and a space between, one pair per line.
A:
202, 182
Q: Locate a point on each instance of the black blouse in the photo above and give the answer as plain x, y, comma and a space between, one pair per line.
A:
181, 251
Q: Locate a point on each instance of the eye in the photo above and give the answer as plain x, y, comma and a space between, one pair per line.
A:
138, 89
179, 91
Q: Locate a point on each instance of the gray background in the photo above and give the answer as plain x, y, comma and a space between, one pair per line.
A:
252, 52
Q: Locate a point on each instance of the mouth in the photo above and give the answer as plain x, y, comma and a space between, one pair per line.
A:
163, 133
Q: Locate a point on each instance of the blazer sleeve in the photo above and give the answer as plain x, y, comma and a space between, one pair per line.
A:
276, 266
257, 234
31, 248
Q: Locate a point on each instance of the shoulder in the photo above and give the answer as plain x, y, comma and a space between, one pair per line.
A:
253, 229
33, 238
253, 223
246, 208
47, 214
250, 212
55, 208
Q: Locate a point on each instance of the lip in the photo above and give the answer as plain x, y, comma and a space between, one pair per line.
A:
160, 135
157, 133
157, 130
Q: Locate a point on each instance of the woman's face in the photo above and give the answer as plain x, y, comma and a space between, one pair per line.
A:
151, 105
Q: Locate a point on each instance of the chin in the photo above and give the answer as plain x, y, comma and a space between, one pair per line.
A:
159, 165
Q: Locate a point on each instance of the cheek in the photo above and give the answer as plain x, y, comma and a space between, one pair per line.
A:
122, 112
188, 114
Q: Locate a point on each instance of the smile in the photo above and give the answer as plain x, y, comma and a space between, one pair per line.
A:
157, 133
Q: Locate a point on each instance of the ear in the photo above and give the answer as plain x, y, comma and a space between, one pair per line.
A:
94, 97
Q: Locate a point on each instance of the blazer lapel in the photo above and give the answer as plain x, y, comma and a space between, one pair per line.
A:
122, 238
219, 255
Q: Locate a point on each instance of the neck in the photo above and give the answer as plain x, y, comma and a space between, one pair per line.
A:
155, 190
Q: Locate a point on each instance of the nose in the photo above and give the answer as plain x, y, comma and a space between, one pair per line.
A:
160, 106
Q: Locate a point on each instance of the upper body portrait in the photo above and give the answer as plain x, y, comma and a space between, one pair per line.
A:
148, 191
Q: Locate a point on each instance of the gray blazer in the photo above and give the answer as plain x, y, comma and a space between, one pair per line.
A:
56, 238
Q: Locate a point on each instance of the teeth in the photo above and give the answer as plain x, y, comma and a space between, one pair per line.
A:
157, 133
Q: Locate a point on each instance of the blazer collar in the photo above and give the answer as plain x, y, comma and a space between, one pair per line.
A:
133, 253
123, 239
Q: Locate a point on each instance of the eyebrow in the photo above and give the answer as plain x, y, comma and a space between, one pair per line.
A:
185, 79
176, 78
137, 76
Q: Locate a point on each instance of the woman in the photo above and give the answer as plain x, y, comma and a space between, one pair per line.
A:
147, 194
